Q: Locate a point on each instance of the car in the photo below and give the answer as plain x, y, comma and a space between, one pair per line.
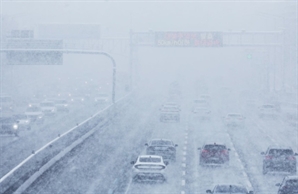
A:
279, 159
7, 103
8, 125
48, 108
170, 112
289, 185
234, 120
62, 105
214, 154
268, 111
23, 120
35, 114
101, 99
205, 97
229, 189
201, 102
162, 147
149, 168
201, 113
34, 102
77, 99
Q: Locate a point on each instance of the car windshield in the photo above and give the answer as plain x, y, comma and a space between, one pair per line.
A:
150, 159
293, 182
281, 152
214, 147
268, 106
230, 189
234, 115
170, 108
161, 143
200, 101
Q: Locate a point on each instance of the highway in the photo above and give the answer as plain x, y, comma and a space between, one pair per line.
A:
102, 163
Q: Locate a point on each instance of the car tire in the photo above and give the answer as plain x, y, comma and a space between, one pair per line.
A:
174, 159
293, 170
265, 170
201, 163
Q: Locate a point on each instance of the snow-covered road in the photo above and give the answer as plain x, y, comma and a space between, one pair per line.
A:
102, 163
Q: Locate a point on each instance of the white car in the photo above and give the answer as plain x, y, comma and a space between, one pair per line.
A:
35, 114
234, 120
230, 189
48, 108
149, 168
62, 105
23, 121
101, 99
201, 113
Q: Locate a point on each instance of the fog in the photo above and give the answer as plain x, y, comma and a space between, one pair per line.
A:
93, 84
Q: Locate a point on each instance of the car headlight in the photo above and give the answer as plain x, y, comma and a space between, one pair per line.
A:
71, 99
27, 121
82, 99
40, 117
15, 126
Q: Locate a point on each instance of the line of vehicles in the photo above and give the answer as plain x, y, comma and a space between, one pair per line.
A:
275, 159
14, 119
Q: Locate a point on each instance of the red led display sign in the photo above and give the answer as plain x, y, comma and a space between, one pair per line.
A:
188, 39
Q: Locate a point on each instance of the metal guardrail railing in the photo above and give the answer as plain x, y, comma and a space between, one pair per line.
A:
54, 150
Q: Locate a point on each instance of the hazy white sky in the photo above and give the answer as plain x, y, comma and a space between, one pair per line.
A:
149, 15
117, 18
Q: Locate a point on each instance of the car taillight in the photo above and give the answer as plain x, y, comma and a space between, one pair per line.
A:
268, 157
224, 151
204, 151
291, 158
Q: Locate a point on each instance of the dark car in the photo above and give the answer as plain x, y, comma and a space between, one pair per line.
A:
289, 185
214, 154
9, 125
279, 159
162, 147
229, 189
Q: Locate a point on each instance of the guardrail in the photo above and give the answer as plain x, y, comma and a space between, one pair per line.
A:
24, 174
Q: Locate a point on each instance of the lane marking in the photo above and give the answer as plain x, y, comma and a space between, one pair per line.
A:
183, 173
183, 182
183, 165
128, 187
